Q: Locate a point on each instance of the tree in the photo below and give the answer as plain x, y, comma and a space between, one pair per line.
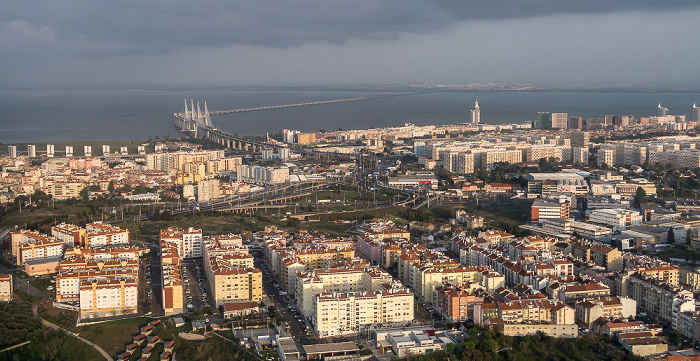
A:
110, 188
293, 222
640, 196
671, 238
84, 193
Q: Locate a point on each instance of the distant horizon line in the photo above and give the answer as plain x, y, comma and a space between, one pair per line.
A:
689, 87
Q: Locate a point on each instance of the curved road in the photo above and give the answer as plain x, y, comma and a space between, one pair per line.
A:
51, 325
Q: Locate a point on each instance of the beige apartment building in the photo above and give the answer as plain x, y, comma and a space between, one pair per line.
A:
100, 234
70, 234
106, 298
344, 313
338, 280
229, 282
30, 246
64, 190
6, 287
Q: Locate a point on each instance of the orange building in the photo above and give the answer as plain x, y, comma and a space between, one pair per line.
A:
456, 303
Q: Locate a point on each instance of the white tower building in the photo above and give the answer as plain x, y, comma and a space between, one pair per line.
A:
476, 113
695, 116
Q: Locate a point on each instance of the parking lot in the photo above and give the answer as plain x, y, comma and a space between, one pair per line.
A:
195, 286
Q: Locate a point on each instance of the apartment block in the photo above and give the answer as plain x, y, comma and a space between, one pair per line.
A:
100, 234
32, 246
263, 175
456, 303
173, 302
189, 242
70, 234
62, 190
6, 287
544, 312
337, 280
106, 298
345, 313
607, 257
590, 310
230, 282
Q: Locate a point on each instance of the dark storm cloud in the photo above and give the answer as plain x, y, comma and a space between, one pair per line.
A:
160, 26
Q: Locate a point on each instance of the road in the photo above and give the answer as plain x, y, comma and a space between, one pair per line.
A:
297, 331
57, 328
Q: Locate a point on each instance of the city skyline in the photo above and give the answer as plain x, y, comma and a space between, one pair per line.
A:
277, 43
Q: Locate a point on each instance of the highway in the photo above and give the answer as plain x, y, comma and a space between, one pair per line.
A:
282, 195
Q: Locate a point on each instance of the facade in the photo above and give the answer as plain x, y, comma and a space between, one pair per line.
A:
70, 234
100, 234
208, 190
30, 246
231, 281
618, 219
344, 313
6, 287
263, 175
104, 298
189, 242
62, 190
545, 209
456, 303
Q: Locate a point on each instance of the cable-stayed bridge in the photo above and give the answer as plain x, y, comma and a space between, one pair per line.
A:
197, 122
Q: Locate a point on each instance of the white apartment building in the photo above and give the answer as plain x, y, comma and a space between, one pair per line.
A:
189, 242
30, 245
108, 298
263, 175
618, 219
339, 280
208, 190
99, 234
344, 313
70, 234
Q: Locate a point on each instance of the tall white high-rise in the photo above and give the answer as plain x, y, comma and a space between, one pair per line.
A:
695, 116
661, 111
12, 151
476, 113
31, 150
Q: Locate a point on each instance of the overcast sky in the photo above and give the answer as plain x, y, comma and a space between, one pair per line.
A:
329, 42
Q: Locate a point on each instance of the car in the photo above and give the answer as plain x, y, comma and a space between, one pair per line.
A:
50, 288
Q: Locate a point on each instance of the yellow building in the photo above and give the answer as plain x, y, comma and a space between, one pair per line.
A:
229, 282
64, 190
187, 178
306, 138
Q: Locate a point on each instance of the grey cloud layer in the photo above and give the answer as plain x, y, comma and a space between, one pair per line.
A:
161, 26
